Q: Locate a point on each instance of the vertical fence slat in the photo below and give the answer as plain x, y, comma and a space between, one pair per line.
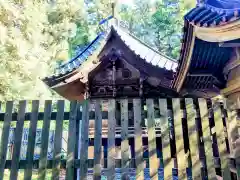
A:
207, 138
71, 141
153, 160
221, 140
193, 139
124, 134
97, 141
4, 139
84, 141
111, 138
181, 159
44, 140
18, 141
31, 140
233, 129
138, 139
167, 160
58, 140
229, 119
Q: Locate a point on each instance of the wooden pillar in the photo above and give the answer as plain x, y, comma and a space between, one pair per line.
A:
232, 93
141, 87
114, 78
232, 74
87, 94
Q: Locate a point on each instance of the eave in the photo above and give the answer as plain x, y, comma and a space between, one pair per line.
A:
185, 56
204, 29
162, 70
214, 24
144, 51
69, 71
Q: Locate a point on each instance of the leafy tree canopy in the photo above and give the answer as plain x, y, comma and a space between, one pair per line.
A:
36, 35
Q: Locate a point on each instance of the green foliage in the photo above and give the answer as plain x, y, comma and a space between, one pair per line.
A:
159, 24
36, 35
33, 34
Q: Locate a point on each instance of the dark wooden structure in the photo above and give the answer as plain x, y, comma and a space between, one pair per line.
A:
118, 66
180, 139
210, 41
115, 64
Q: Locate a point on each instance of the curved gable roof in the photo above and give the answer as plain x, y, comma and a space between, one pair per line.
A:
146, 53
205, 26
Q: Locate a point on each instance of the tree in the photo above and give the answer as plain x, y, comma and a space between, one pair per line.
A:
33, 34
159, 24
36, 35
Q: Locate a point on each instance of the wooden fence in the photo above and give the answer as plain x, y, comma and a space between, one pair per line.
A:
127, 138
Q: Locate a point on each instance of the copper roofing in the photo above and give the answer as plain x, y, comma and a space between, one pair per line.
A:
200, 56
146, 53
214, 13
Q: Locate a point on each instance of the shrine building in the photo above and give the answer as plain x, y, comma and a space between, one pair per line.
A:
117, 64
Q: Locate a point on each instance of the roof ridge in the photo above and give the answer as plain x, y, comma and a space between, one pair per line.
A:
82, 52
144, 43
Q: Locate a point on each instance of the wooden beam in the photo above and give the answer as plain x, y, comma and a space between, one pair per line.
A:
229, 44
124, 134
97, 141
138, 139
166, 150
221, 140
207, 138
193, 139
17, 141
44, 140
111, 139
178, 129
153, 160
71, 140
84, 141
199, 75
31, 140
4, 138
66, 116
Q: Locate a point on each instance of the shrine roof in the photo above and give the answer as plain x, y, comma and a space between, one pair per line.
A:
214, 13
138, 47
210, 29
146, 52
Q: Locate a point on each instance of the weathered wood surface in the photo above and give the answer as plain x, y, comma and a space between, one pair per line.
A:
207, 138
153, 160
138, 139
166, 150
111, 139
4, 138
97, 141
70, 174
44, 140
58, 140
181, 157
84, 141
223, 155
193, 140
176, 122
31, 140
124, 144
233, 125
17, 141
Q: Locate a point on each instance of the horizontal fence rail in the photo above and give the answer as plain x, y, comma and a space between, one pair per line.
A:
119, 139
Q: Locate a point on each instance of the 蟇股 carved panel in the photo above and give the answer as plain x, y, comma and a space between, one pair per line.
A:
126, 82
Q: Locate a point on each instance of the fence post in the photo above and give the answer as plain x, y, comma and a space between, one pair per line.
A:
84, 141
4, 139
